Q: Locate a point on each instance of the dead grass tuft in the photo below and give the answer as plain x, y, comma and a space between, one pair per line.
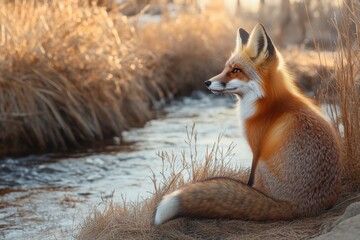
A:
345, 111
133, 220
74, 73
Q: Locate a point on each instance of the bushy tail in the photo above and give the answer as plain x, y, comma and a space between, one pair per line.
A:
221, 198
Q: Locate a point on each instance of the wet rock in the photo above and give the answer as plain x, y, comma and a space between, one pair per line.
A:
347, 227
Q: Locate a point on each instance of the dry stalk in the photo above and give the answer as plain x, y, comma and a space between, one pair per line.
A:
345, 110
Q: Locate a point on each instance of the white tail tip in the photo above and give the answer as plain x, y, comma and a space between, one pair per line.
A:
168, 208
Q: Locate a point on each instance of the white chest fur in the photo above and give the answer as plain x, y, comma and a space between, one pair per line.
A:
247, 102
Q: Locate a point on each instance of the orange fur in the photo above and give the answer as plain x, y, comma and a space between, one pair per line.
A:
296, 152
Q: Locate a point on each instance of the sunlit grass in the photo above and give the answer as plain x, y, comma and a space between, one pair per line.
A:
346, 88
73, 73
134, 220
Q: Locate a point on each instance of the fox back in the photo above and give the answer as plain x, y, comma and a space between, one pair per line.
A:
296, 152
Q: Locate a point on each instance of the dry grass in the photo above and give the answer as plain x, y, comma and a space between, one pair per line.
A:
345, 109
134, 220
73, 73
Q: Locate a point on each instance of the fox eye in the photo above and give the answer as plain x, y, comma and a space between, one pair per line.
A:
236, 70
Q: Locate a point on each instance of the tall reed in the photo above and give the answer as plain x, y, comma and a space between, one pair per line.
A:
73, 73
345, 109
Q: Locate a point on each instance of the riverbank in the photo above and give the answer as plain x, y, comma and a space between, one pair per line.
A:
134, 219
43, 197
117, 222
75, 76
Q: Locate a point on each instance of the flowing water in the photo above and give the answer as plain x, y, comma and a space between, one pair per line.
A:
47, 197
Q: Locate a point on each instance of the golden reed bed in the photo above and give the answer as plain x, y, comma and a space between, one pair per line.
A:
72, 73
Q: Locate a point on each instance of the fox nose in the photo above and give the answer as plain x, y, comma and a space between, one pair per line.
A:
207, 83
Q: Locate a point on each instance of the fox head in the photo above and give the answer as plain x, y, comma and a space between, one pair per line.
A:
252, 58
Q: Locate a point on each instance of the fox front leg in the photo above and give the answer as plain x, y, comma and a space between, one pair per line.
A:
252, 174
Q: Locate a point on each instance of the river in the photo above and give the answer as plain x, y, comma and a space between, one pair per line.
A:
47, 196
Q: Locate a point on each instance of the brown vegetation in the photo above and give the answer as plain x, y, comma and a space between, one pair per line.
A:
133, 220
345, 111
73, 73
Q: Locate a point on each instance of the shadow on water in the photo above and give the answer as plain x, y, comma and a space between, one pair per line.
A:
47, 196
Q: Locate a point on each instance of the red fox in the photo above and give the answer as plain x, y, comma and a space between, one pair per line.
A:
296, 153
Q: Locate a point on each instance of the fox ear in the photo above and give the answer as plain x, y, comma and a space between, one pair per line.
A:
242, 38
260, 47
